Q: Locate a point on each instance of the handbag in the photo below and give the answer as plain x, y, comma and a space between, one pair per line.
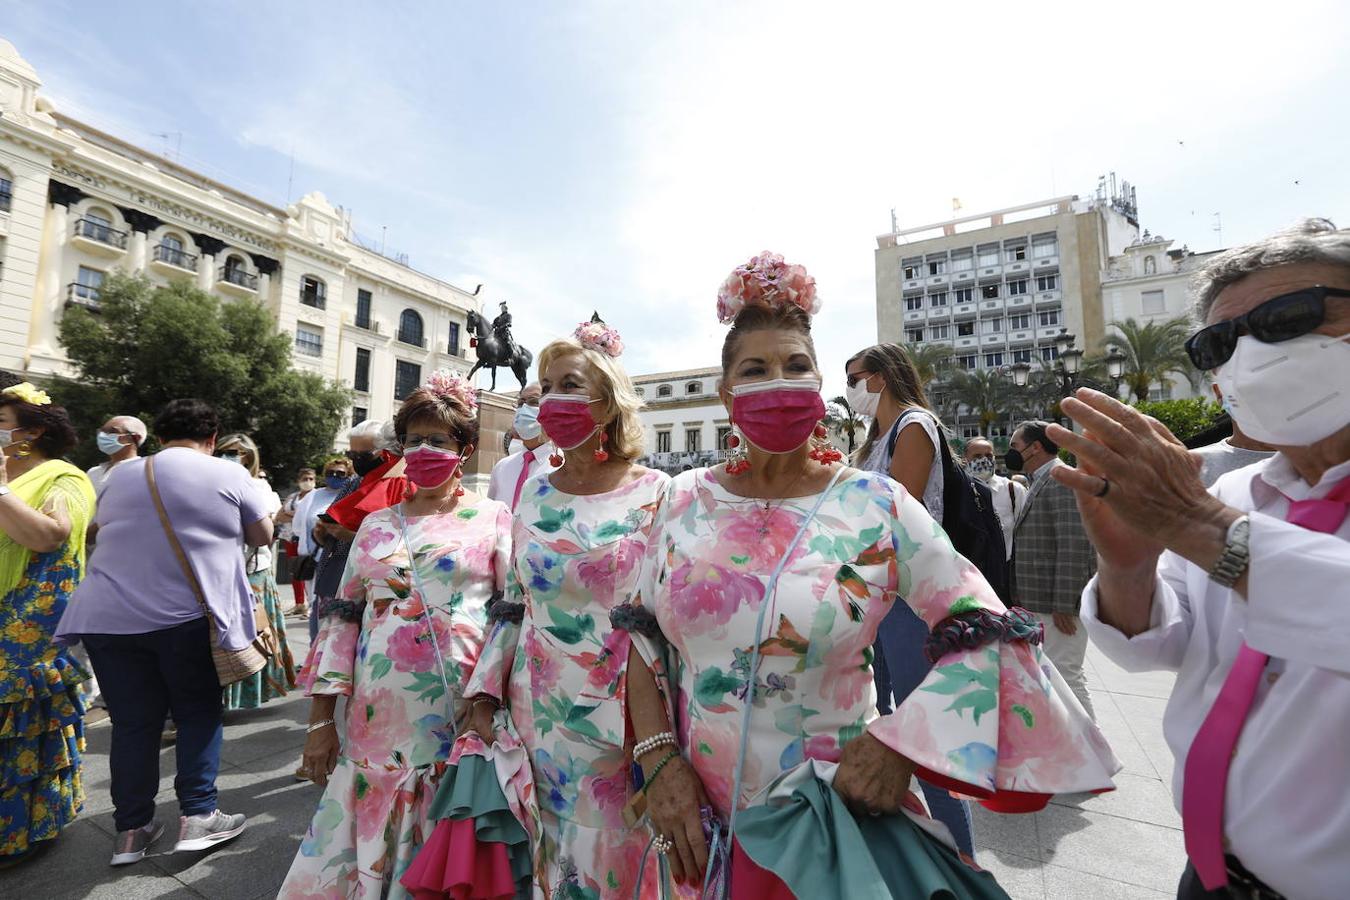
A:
231, 665
303, 568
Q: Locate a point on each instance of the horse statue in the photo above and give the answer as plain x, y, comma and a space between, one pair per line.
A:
493, 352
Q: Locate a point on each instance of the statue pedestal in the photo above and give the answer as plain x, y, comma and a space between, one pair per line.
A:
496, 413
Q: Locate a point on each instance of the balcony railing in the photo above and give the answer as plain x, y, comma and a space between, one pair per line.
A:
239, 277
101, 232
6, 197
412, 340
85, 295
179, 259
314, 299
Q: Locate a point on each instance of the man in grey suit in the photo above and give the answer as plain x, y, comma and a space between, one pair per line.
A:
1052, 558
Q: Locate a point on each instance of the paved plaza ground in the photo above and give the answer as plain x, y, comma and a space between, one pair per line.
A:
1118, 846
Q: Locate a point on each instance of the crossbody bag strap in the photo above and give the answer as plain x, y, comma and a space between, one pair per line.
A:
426, 614
173, 540
769, 589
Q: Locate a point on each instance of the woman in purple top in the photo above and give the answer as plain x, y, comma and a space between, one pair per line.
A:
146, 634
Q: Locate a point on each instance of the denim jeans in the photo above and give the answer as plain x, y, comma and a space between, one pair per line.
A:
143, 677
899, 668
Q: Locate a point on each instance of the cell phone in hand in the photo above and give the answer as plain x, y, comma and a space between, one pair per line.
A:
326, 519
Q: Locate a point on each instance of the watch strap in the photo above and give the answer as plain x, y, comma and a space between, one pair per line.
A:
1236, 554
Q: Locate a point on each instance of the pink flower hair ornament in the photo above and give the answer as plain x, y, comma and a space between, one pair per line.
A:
596, 335
766, 280
447, 384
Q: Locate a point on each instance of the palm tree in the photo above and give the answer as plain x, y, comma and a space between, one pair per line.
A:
839, 414
930, 360
986, 392
1153, 350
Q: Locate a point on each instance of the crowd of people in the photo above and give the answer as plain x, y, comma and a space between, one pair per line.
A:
596, 680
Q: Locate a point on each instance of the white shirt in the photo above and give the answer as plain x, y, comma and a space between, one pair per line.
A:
1285, 810
1009, 497
99, 474
505, 474
307, 514
260, 559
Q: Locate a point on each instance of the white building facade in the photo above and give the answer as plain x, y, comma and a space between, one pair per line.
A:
1151, 282
77, 204
683, 420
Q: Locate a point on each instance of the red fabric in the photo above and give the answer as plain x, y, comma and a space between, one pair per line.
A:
998, 801
749, 880
375, 493
453, 864
297, 586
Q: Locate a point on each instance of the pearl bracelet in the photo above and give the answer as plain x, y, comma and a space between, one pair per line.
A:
317, 725
655, 742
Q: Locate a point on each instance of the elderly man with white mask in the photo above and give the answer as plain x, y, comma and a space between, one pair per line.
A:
1009, 496
1242, 590
530, 457
120, 439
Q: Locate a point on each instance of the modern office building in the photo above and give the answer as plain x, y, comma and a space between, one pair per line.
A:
997, 287
77, 204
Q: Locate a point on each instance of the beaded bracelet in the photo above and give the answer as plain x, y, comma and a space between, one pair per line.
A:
647, 745
656, 769
317, 725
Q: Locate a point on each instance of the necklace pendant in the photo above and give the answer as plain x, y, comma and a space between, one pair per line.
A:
763, 530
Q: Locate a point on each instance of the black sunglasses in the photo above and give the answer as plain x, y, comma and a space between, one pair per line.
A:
851, 380
1278, 319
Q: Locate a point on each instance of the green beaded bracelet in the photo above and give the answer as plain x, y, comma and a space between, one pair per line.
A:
656, 769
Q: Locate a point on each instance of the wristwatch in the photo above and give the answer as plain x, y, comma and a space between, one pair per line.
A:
1236, 554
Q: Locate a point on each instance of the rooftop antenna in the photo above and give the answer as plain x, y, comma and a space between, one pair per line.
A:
383, 229
895, 225
1218, 228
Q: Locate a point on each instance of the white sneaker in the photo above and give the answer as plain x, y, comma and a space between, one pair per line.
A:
206, 831
130, 846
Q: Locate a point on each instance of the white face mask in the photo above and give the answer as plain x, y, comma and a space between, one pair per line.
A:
7, 436
864, 402
1289, 394
527, 423
982, 467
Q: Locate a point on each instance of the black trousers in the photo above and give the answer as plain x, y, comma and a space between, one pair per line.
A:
1242, 885
143, 677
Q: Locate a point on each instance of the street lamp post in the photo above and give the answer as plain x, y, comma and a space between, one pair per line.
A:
1066, 369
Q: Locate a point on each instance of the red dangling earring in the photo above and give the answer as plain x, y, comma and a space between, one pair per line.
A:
824, 452
555, 459
737, 462
602, 455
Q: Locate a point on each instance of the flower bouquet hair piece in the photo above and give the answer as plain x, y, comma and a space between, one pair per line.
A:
767, 281
446, 384
596, 335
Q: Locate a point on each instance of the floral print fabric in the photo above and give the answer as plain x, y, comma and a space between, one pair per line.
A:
41, 713
993, 722
561, 671
401, 724
278, 676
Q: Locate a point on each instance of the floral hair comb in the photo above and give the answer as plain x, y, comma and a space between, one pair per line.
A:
28, 393
766, 280
445, 383
596, 335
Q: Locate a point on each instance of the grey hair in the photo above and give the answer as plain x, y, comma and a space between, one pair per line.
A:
134, 425
1308, 241
382, 433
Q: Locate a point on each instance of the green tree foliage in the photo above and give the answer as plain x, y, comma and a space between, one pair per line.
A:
1183, 418
1153, 350
930, 360
147, 345
839, 414
987, 393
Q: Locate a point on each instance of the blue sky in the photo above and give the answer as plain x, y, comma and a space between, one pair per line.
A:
623, 157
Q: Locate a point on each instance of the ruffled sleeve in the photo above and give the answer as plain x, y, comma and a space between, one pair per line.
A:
993, 719
331, 662
492, 674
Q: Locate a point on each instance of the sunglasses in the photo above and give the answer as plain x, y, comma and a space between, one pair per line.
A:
1278, 319
851, 380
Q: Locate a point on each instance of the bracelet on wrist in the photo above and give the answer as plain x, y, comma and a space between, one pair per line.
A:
655, 742
656, 769
315, 726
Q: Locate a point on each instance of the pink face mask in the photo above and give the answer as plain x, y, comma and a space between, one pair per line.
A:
428, 467
567, 419
778, 416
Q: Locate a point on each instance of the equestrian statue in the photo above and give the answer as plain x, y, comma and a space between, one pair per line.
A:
496, 347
